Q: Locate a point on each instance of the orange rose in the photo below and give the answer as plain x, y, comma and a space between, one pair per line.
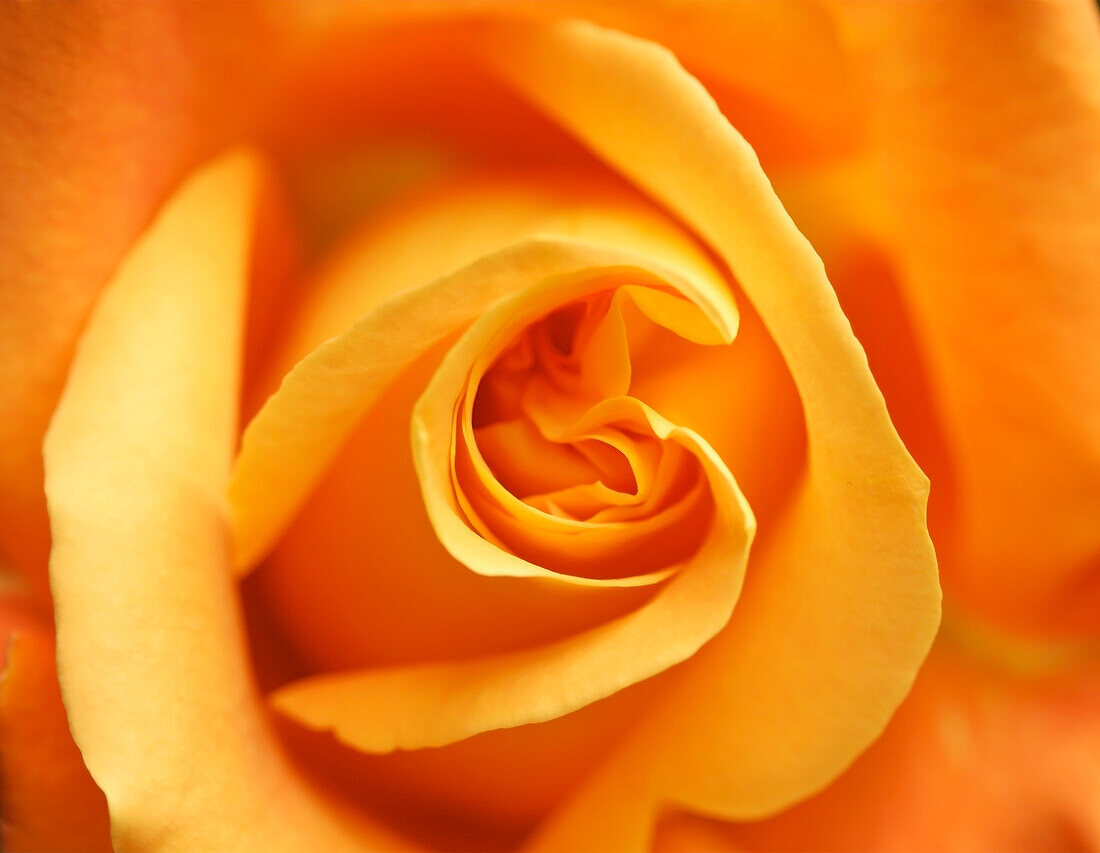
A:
617, 571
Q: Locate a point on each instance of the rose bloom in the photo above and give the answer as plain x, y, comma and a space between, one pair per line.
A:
476, 426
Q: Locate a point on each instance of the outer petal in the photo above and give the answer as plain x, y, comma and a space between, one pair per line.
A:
151, 655
104, 105
789, 88
293, 439
978, 757
836, 617
378, 601
436, 704
47, 799
102, 108
986, 127
329, 390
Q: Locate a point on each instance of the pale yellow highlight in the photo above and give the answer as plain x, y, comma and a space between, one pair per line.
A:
151, 654
431, 705
840, 611
434, 423
420, 706
288, 446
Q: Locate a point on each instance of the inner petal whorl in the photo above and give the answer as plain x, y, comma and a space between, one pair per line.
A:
548, 470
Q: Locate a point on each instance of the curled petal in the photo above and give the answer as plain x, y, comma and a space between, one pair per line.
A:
986, 158
431, 705
838, 613
290, 443
104, 108
425, 706
467, 361
384, 567
151, 655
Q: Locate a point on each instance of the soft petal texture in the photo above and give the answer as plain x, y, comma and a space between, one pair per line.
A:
151, 654
851, 574
922, 602
432, 705
787, 92
379, 601
194, 77
462, 215
551, 680
434, 421
391, 595
790, 90
986, 753
103, 107
290, 443
986, 139
509, 777
47, 799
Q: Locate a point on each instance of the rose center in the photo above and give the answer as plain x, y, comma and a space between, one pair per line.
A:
557, 463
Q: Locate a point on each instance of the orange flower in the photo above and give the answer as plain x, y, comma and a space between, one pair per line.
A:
653, 546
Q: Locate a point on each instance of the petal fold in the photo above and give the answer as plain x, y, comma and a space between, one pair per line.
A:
431, 705
151, 655
47, 799
839, 611
103, 109
291, 442
985, 147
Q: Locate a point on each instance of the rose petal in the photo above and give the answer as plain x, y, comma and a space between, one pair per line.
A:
103, 109
390, 593
431, 705
979, 757
378, 601
291, 442
47, 799
151, 655
787, 91
790, 88
433, 418
461, 216
986, 137
838, 614
509, 778
758, 430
